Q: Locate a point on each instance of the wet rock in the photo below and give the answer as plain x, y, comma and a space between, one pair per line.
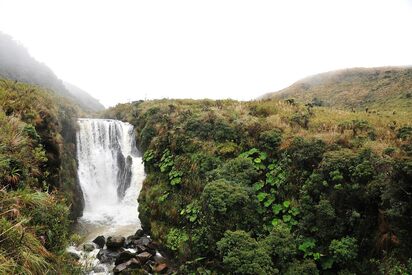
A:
141, 248
143, 241
130, 264
108, 256
159, 259
88, 247
144, 257
139, 233
100, 241
99, 268
115, 242
124, 257
160, 268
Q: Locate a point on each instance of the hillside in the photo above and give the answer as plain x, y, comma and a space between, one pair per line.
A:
17, 64
385, 89
274, 187
38, 179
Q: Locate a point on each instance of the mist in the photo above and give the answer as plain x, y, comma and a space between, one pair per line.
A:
184, 49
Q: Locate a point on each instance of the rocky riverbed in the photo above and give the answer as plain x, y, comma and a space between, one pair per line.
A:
136, 254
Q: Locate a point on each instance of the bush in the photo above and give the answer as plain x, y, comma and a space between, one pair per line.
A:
269, 141
239, 170
227, 206
244, 255
344, 251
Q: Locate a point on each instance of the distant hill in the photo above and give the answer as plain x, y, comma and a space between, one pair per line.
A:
84, 99
17, 64
385, 88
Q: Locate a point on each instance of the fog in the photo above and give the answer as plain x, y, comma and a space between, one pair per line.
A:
128, 50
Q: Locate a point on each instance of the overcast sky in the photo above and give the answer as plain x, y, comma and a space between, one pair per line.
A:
128, 50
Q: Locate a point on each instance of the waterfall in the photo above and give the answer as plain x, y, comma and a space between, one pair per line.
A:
110, 172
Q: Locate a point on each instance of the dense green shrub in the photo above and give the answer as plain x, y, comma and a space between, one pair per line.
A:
244, 255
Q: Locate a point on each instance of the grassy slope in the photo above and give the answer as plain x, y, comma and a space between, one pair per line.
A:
384, 89
205, 139
37, 178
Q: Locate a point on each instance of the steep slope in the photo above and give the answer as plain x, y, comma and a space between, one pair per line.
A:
381, 89
85, 100
38, 179
273, 187
17, 64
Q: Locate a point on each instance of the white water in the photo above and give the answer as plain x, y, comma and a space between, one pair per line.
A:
104, 151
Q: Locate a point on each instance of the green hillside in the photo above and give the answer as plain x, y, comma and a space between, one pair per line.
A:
275, 187
385, 89
38, 179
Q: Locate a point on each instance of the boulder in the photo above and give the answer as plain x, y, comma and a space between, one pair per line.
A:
88, 247
100, 241
130, 264
160, 268
144, 257
115, 242
141, 248
143, 241
99, 268
108, 256
159, 259
124, 257
139, 233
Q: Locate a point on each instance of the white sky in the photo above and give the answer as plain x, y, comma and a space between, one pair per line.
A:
128, 50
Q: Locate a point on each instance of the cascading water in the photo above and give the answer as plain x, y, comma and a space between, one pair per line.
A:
110, 173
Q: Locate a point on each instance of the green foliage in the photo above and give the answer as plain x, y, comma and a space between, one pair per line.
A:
293, 189
256, 156
175, 176
303, 267
37, 172
191, 212
176, 239
166, 162
344, 251
404, 132
244, 255
308, 247
270, 140
225, 203
240, 170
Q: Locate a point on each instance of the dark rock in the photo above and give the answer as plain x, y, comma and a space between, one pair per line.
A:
115, 242
144, 257
160, 268
139, 233
100, 241
159, 259
141, 248
143, 241
130, 264
88, 247
124, 257
108, 256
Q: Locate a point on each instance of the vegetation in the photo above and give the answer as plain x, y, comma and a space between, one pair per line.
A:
385, 90
273, 186
37, 179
